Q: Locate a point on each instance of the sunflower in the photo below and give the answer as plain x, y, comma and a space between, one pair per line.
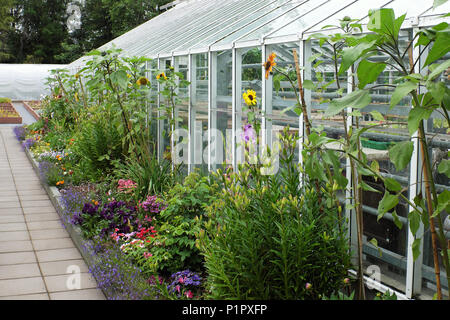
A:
161, 75
143, 81
250, 98
269, 64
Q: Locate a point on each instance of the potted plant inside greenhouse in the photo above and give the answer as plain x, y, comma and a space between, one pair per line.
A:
235, 150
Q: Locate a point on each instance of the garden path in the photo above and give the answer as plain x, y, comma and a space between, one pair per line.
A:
37, 255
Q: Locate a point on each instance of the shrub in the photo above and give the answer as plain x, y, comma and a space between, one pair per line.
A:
268, 239
5, 100
99, 143
180, 222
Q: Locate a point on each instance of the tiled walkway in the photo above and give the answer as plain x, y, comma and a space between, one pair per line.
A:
37, 255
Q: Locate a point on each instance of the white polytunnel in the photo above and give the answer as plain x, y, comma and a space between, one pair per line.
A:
25, 81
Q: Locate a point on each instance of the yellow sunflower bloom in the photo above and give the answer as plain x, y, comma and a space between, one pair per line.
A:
161, 75
250, 98
143, 81
269, 64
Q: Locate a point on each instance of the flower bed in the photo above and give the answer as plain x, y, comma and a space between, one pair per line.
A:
151, 232
33, 107
9, 114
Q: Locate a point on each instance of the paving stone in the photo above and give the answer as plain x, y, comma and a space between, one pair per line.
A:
31, 192
11, 218
13, 287
19, 271
33, 197
38, 296
36, 204
8, 198
47, 209
17, 258
54, 268
42, 217
9, 204
49, 244
69, 281
20, 226
11, 211
14, 236
58, 254
49, 234
87, 294
15, 246
39, 225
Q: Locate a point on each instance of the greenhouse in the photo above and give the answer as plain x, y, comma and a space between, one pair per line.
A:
225, 73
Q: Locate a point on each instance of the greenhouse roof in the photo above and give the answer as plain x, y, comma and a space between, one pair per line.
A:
196, 26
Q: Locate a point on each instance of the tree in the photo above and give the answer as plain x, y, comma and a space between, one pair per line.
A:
6, 20
40, 30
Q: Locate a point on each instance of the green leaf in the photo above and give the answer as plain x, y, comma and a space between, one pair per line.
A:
356, 100
350, 55
416, 115
120, 78
437, 91
440, 47
367, 187
383, 21
414, 221
368, 72
437, 3
308, 84
444, 167
437, 69
388, 202
377, 115
374, 242
443, 203
397, 221
392, 185
401, 91
416, 249
400, 154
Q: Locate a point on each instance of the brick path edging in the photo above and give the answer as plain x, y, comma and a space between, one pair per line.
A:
74, 231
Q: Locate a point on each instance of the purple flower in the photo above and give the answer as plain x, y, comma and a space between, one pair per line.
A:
20, 132
249, 133
185, 279
27, 144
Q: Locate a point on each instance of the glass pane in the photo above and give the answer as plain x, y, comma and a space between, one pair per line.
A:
153, 66
357, 10
314, 17
302, 13
404, 6
230, 14
164, 129
221, 111
199, 103
182, 115
250, 62
284, 98
263, 8
260, 21
323, 76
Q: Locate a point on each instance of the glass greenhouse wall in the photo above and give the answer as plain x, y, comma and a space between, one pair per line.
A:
220, 47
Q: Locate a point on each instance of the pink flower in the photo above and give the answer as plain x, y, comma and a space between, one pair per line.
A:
178, 289
181, 280
189, 294
346, 280
147, 255
308, 286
